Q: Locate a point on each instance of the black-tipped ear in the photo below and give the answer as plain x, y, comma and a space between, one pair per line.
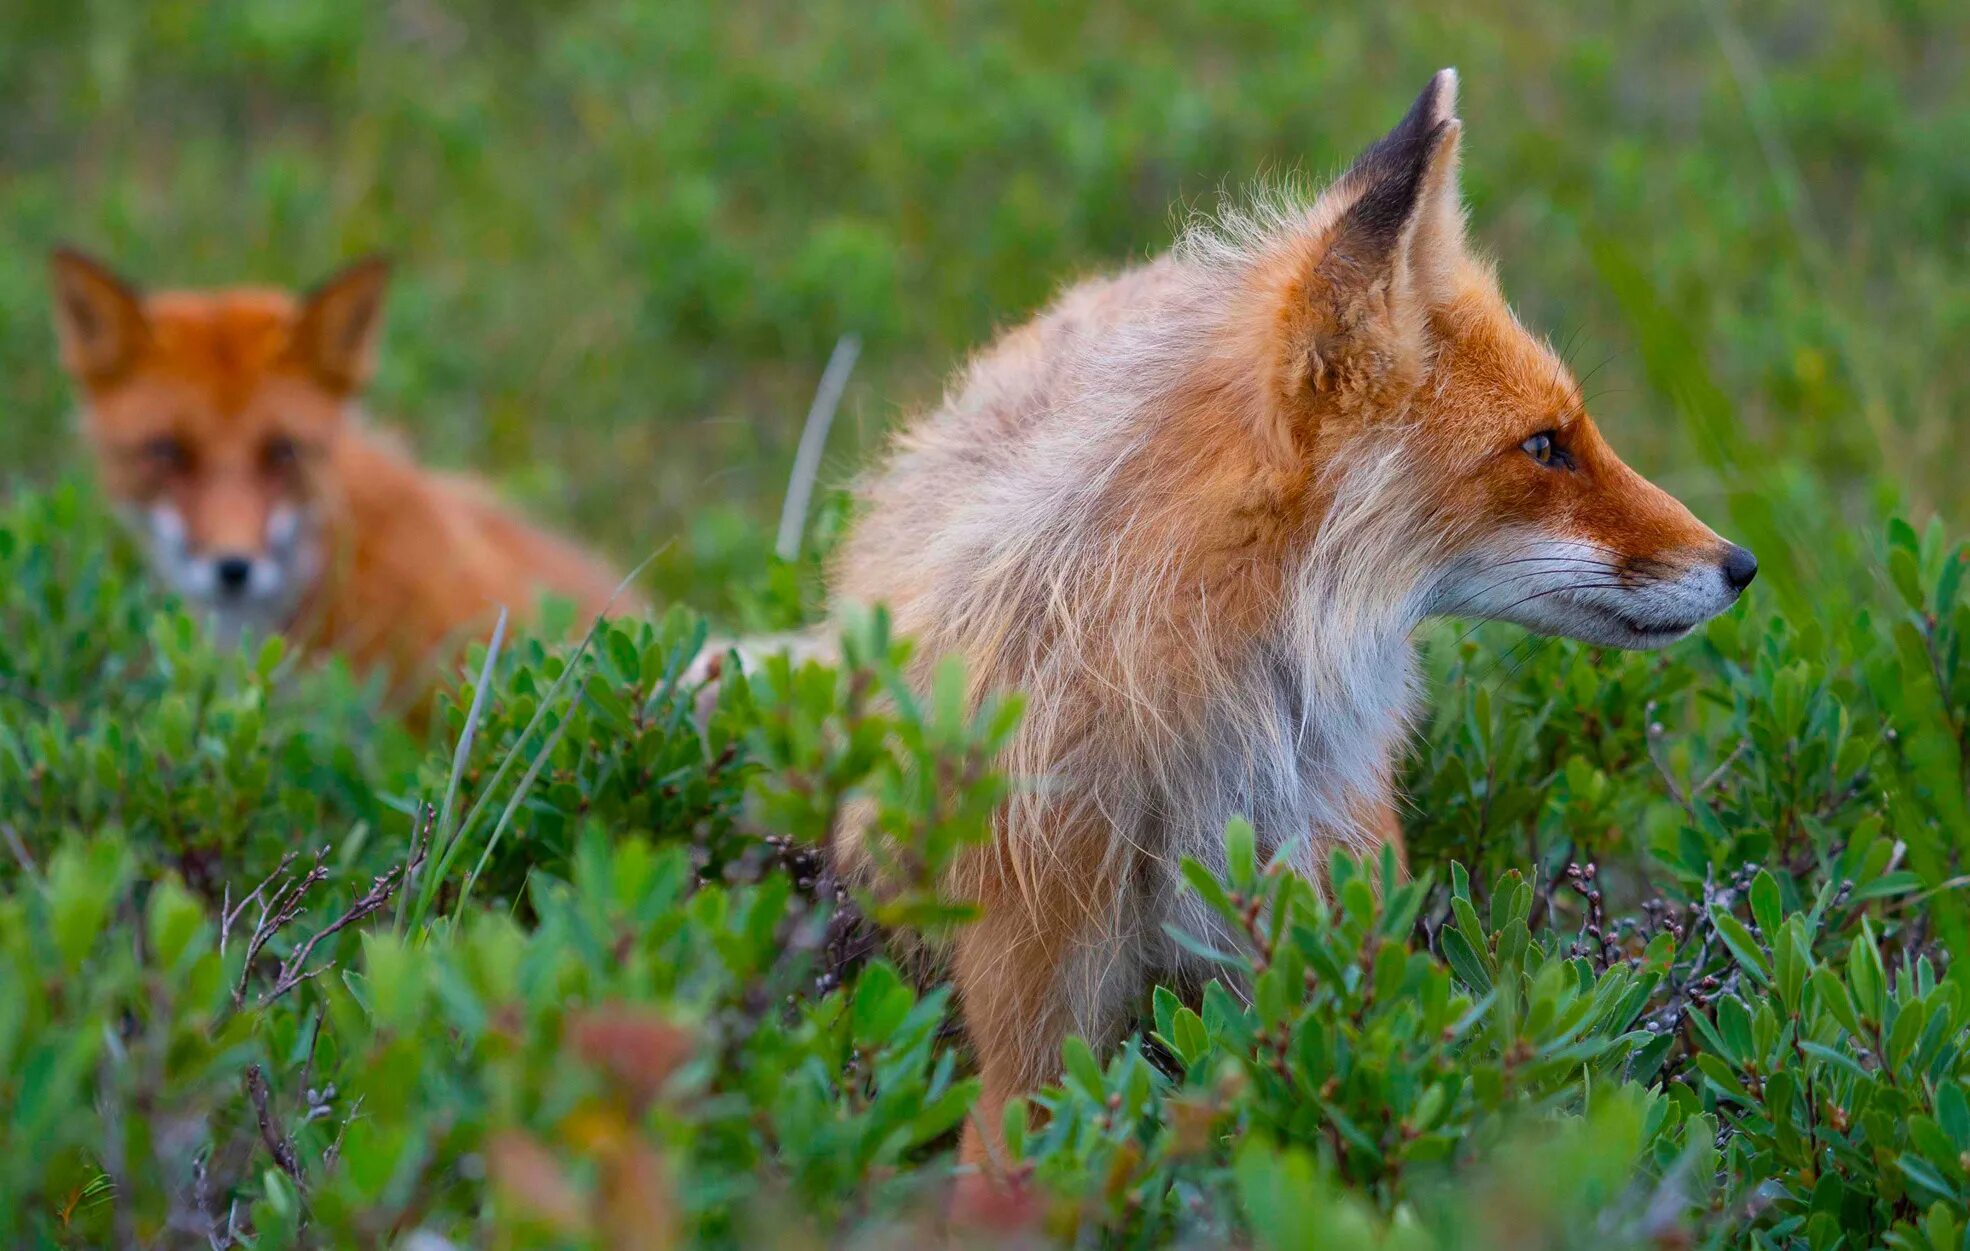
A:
99, 318
1390, 252
1390, 183
337, 331
1437, 104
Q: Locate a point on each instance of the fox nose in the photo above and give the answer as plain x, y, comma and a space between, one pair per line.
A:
1739, 567
232, 573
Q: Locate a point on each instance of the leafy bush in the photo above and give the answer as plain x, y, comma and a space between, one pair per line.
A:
1680, 961
1675, 965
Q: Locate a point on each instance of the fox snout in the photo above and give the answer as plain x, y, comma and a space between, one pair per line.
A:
1597, 593
1738, 566
249, 571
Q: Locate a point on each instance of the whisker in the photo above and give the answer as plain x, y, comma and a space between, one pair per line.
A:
1526, 641
1555, 590
1540, 643
1548, 565
1454, 609
1589, 375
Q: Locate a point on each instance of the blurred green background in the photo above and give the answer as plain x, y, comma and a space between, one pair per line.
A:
628, 234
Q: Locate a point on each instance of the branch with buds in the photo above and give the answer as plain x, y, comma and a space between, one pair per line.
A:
280, 905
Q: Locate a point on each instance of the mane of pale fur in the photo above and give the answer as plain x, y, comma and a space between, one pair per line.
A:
1109, 512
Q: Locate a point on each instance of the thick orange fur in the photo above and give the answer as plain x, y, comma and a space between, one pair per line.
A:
224, 425
1195, 510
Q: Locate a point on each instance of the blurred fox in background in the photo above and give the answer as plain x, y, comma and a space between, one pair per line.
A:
226, 430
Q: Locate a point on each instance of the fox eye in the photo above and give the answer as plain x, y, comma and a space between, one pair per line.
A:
165, 453
1544, 447
281, 452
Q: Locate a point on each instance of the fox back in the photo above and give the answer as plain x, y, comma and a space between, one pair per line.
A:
1195, 511
225, 430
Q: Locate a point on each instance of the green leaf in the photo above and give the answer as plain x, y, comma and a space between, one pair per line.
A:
881, 1002
1838, 1059
1742, 945
1907, 577
175, 919
1240, 855
1163, 1010
1953, 1113
1928, 1178
1833, 995
1082, 1069
1191, 1039
1211, 891
1865, 979
1464, 962
1900, 882
1766, 906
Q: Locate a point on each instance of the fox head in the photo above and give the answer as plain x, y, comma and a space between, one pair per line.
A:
212, 415
1394, 365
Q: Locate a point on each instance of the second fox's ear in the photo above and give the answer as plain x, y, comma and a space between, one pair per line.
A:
335, 335
99, 318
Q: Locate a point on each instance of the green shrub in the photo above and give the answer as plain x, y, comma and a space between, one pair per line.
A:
1675, 965
1679, 964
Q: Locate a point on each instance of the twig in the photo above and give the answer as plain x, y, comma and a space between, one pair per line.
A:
109, 1112
1716, 775
191, 1210
1653, 736
19, 848
334, 1150
308, 1066
228, 913
813, 440
285, 904
277, 911
1584, 879
381, 888
277, 1143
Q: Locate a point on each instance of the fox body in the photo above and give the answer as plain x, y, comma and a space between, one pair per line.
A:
1195, 510
225, 428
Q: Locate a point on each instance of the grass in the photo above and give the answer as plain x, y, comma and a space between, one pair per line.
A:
629, 239
628, 235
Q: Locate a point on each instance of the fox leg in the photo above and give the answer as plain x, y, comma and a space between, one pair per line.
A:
1036, 966
1040, 962
1006, 975
1386, 824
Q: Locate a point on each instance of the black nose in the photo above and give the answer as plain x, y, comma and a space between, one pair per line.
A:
1739, 566
232, 572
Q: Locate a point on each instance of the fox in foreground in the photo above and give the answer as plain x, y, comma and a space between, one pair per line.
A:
225, 429
1195, 511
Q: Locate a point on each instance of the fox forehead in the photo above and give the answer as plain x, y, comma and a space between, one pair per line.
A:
1493, 379
220, 346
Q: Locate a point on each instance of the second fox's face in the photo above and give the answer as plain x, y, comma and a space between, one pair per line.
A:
214, 417
227, 499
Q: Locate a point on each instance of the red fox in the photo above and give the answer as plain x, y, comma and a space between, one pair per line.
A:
1195, 511
224, 426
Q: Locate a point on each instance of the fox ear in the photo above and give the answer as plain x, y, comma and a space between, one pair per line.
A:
1394, 245
335, 335
99, 318
1403, 201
